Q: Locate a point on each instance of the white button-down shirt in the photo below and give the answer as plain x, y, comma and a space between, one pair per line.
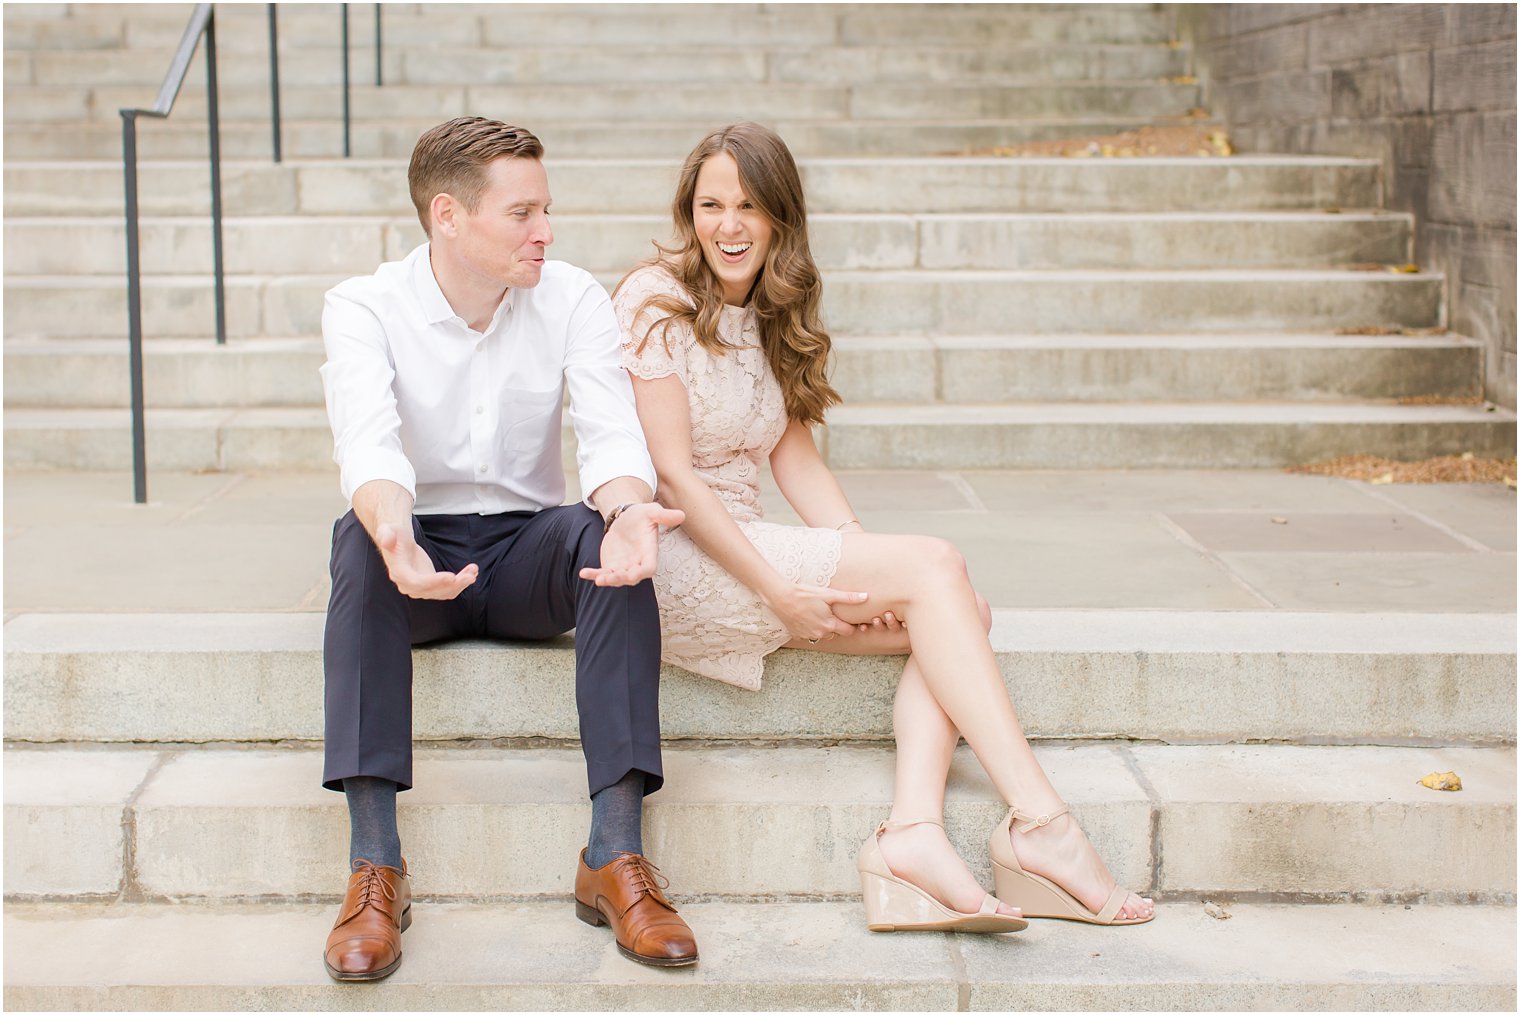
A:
469, 422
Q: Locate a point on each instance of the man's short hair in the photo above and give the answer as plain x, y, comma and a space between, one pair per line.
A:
452, 157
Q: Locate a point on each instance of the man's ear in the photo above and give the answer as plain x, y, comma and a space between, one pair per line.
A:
443, 209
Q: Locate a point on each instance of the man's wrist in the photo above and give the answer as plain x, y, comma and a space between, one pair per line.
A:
614, 515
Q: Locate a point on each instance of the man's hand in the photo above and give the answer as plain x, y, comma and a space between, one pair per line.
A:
412, 569
631, 548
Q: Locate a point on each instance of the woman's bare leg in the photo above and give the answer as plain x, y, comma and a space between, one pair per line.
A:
924, 581
926, 740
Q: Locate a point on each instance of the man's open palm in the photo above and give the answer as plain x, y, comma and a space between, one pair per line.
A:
631, 548
412, 569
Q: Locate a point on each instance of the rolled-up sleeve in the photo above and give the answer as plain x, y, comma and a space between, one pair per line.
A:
357, 381
610, 440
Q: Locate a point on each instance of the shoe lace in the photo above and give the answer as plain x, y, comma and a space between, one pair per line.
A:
372, 887
644, 876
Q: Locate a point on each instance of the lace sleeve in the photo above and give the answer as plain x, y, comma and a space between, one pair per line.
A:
664, 349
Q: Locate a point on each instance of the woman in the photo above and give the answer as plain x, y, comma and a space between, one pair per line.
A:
728, 357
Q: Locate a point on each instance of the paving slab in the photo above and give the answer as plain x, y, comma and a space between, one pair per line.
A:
1032, 560
1456, 582
1483, 512
1039, 540
1362, 532
769, 956
1075, 491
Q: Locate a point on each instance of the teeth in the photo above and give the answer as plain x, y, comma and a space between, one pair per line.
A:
734, 248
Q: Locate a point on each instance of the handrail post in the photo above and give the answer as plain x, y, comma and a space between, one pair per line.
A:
274, 79
347, 147
134, 308
379, 76
214, 123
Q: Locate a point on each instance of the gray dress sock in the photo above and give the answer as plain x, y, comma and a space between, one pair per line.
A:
372, 833
617, 814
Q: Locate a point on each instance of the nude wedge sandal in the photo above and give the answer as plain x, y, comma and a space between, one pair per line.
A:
894, 904
1037, 896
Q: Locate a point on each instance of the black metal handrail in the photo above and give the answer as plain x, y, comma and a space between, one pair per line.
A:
274, 75
202, 23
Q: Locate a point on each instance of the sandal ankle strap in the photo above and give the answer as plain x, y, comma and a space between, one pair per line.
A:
888, 825
1032, 822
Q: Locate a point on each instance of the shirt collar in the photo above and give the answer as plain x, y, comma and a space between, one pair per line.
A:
435, 306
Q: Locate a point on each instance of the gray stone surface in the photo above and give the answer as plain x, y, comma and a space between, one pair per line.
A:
1304, 795
1385, 582
1149, 674
773, 956
64, 812
605, 183
1364, 532
1427, 88
745, 821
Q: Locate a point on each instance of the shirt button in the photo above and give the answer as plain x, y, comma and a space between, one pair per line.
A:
482, 468
479, 409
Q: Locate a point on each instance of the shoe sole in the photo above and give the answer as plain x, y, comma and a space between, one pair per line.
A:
1040, 899
378, 974
593, 916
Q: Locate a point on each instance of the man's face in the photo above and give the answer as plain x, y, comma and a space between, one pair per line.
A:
503, 239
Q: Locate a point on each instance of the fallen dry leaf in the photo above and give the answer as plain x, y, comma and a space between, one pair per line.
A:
1509, 481
1216, 911
1405, 269
1279, 520
1444, 469
1449, 781
1382, 480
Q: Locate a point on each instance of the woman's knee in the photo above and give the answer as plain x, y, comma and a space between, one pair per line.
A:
937, 558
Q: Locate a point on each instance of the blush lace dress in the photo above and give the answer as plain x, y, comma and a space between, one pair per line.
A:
710, 622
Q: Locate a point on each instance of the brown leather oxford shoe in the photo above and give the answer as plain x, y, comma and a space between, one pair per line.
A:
365, 943
626, 894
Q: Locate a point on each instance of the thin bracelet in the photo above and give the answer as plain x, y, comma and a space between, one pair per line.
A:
842, 524
616, 512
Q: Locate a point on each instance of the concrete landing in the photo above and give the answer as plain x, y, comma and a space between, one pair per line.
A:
529, 956
1071, 540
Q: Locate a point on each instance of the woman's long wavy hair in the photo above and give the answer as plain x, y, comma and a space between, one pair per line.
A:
785, 294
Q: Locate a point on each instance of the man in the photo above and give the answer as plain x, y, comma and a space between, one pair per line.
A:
444, 378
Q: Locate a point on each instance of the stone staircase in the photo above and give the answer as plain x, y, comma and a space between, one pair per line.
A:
990, 313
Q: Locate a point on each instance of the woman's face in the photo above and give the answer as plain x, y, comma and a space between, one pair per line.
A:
735, 235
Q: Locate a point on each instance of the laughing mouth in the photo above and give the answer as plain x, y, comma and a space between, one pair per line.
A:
735, 249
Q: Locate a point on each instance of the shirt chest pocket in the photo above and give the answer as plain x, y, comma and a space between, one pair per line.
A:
530, 419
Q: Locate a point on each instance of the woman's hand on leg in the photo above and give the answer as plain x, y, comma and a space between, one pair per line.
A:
807, 611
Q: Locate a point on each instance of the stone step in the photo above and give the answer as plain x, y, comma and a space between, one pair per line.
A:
197, 373
669, 140
403, 64
770, 955
601, 186
900, 302
610, 243
1030, 435
1155, 434
1169, 675
705, 101
647, 25
1330, 823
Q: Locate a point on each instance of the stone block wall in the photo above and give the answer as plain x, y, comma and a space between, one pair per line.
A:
1427, 88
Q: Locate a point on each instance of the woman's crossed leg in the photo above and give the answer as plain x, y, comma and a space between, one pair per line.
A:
952, 687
